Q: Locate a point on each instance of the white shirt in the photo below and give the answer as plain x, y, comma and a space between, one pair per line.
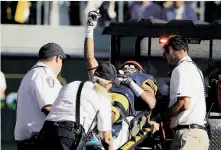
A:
179, 12
2, 81
187, 81
38, 88
91, 101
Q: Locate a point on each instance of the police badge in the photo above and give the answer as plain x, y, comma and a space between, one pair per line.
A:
50, 82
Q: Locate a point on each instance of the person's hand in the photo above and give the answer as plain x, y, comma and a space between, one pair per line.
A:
125, 80
154, 127
128, 81
93, 17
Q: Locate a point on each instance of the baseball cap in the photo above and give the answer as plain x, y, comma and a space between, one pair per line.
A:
107, 71
50, 50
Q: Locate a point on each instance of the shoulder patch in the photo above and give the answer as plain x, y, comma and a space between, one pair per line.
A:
50, 81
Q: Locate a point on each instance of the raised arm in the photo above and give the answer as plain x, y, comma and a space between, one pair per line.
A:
91, 62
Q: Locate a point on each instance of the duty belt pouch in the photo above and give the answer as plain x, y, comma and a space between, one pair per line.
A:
80, 143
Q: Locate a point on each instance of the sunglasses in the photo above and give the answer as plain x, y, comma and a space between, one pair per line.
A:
62, 59
165, 50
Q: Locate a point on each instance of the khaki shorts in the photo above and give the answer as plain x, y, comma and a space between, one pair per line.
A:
189, 139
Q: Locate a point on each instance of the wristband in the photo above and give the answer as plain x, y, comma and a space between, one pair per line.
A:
89, 69
89, 32
136, 89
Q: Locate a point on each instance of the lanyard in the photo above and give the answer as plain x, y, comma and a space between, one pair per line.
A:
198, 71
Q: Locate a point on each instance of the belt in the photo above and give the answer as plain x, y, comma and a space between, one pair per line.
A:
72, 129
191, 126
70, 125
25, 142
29, 141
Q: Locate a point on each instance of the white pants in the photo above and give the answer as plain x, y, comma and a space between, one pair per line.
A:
123, 135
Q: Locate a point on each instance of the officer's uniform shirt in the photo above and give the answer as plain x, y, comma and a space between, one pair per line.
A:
187, 81
91, 101
2, 82
38, 88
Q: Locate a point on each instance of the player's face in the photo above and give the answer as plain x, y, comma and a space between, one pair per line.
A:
129, 69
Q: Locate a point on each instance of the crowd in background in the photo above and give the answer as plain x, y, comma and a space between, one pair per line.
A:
73, 12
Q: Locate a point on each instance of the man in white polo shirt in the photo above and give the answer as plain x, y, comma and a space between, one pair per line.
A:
187, 106
37, 92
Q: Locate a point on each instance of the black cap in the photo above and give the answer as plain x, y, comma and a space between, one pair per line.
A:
107, 71
50, 50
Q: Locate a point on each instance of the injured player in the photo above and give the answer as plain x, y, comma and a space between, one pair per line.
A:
135, 93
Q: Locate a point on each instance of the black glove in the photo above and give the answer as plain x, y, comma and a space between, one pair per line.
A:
125, 80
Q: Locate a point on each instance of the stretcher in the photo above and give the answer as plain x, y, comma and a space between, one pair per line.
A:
125, 136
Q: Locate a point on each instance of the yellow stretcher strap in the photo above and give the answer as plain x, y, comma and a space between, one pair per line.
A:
136, 139
138, 133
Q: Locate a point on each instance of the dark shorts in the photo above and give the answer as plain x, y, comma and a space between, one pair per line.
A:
28, 144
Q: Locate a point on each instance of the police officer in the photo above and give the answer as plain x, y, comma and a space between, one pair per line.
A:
187, 106
37, 92
65, 126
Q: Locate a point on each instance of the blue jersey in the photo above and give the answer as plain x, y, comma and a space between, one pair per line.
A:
139, 78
